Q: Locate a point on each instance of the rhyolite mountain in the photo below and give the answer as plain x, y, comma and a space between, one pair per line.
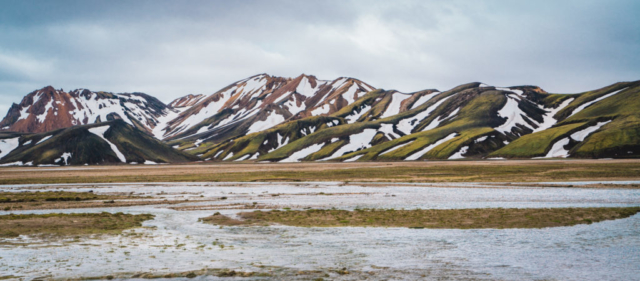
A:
112, 141
277, 119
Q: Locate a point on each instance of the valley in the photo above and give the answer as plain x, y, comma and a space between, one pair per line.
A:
411, 172
328, 231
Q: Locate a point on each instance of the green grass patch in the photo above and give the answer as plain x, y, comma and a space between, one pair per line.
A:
50, 196
69, 224
456, 218
536, 144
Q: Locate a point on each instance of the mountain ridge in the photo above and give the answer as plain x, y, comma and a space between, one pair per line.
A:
270, 118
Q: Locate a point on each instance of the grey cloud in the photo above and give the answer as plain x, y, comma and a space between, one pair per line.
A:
172, 48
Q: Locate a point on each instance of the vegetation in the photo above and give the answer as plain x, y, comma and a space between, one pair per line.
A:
10, 201
455, 218
620, 139
463, 171
536, 144
50, 196
87, 148
69, 224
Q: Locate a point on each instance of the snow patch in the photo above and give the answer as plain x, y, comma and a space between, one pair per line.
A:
423, 151
458, 155
295, 157
304, 88
423, 99
582, 134
394, 106
396, 147
387, 130
514, 114
349, 95
99, 131
321, 110
293, 106
354, 158
65, 156
228, 156
8, 145
44, 139
547, 119
17, 163
354, 117
406, 125
356, 141
436, 121
272, 120
587, 104
557, 150
245, 157
149, 162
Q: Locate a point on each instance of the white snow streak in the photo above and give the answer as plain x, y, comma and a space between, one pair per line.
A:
584, 133
548, 121
228, 156
557, 150
8, 145
406, 126
587, 104
423, 99
245, 157
458, 155
356, 141
354, 158
65, 156
321, 110
354, 117
423, 151
293, 106
513, 114
394, 106
272, 120
295, 157
44, 139
396, 147
387, 130
99, 131
304, 88
436, 121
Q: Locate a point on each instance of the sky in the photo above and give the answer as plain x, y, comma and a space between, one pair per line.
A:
173, 48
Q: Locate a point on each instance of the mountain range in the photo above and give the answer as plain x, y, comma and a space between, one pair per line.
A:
277, 119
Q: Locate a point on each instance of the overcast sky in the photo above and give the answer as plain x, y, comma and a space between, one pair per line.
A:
173, 48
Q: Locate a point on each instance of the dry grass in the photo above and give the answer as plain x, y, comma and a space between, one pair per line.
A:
456, 218
68, 224
429, 171
71, 200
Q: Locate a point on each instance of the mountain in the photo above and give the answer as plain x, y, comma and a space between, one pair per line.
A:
50, 109
278, 119
473, 121
113, 141
258, 103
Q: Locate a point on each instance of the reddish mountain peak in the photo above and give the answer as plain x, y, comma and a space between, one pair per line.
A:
188, 100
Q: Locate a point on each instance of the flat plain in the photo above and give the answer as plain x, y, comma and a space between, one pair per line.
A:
449, 220
419, 171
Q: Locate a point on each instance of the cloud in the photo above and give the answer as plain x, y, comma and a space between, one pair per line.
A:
173, 48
